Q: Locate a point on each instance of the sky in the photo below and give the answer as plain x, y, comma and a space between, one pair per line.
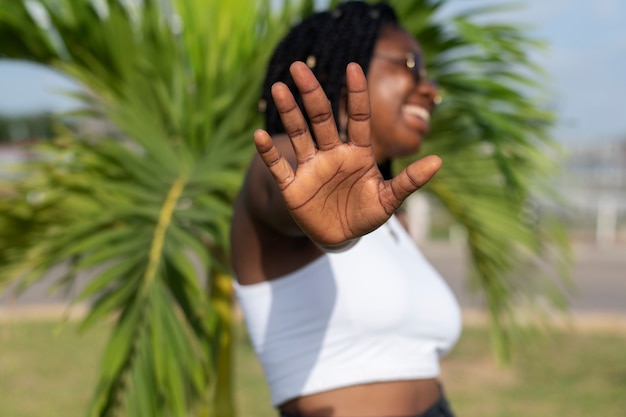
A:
585, 60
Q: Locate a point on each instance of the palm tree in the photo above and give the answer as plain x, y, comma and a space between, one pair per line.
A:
146, 207
148, 204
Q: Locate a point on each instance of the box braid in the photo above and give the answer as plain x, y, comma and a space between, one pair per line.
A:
327, 41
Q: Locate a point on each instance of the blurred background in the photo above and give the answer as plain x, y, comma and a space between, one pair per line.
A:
585, 62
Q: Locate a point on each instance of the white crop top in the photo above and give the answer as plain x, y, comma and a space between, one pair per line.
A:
376, 312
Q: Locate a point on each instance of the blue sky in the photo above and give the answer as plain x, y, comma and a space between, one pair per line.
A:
586, 60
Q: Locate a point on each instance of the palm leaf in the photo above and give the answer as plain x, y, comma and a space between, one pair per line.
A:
138, 203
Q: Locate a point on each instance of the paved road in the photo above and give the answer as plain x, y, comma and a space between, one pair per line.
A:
599, 274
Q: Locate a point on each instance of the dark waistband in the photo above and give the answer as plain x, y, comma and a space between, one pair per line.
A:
439, 409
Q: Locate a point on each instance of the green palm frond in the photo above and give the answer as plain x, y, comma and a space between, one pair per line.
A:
146, 207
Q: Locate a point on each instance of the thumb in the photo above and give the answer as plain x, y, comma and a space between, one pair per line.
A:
414, 177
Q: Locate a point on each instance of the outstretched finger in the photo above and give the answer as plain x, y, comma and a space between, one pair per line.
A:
294, 122
358, 106
412, 178
317, 106
279, 167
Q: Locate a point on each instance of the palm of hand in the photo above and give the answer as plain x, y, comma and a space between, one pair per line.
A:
336, 192
335, 196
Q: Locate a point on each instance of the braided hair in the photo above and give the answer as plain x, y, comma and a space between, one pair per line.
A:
327, 41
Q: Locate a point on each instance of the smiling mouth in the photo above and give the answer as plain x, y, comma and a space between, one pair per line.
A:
417, 111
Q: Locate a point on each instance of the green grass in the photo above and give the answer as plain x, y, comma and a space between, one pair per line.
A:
568, 374
49, 371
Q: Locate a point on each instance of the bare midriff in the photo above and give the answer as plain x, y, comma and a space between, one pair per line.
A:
382, 399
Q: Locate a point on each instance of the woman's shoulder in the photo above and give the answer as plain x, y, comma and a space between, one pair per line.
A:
265, 241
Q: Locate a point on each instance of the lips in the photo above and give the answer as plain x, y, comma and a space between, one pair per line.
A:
417, 116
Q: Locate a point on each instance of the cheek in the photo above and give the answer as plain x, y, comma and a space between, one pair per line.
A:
386, 97
385, 100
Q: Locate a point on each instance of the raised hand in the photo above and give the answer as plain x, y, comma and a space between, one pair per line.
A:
336, 192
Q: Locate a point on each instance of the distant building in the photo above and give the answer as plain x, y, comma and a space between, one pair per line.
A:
593, 182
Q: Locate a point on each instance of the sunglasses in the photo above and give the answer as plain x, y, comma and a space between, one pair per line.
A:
412, 62
414, 65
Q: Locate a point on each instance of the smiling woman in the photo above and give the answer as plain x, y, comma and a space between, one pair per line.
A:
347, 316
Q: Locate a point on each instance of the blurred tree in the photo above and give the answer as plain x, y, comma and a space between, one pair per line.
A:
148, 202
27, 127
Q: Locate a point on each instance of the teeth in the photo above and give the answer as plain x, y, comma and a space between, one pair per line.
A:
418, 111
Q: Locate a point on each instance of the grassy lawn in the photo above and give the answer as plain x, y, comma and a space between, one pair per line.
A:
46, 369
49, 371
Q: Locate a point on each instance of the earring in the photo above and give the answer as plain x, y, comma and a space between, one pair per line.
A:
311, 61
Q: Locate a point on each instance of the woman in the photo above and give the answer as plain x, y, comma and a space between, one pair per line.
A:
346, 315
